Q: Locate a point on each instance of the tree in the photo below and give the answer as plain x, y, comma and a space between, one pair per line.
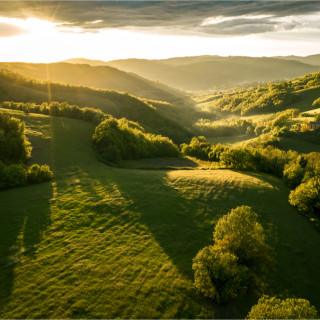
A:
293, 174
15, 175
38, 173
306, 197
240, 233
238, 259
273, 308
218, 274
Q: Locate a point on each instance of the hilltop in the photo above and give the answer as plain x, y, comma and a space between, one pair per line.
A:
201, 73
313, 59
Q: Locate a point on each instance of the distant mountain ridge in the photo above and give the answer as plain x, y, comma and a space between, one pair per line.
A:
313, 59
214, 72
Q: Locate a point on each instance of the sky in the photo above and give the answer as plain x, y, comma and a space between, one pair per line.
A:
49, 31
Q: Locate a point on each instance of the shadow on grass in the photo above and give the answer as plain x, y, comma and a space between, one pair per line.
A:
181, 226
24, 215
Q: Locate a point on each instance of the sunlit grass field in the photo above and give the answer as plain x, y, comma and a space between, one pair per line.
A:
102, 242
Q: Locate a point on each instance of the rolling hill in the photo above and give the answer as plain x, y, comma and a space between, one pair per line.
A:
313, 59
104, 77
216, 72
156, 118
101, 242
212, 72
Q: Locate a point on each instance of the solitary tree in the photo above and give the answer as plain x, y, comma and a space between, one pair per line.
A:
240, 233
238, 259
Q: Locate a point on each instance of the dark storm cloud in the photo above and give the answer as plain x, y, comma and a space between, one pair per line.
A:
9, 30
179, 16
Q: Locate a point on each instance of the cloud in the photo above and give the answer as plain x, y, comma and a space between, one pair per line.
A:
208, 18
9, 30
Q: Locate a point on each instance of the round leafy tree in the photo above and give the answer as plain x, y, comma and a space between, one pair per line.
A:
240, 233
274, 308
306, 197
218, 274
238, 259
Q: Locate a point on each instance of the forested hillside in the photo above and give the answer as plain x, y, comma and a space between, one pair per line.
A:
274, 97
103, 77
156, 119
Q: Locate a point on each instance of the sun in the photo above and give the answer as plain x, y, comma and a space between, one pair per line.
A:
31, 25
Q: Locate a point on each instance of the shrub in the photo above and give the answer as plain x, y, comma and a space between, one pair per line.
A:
273, 308
117, 140
14, 146
15, 175
38, 173
293, 174
239, 159
198, 147
306, 197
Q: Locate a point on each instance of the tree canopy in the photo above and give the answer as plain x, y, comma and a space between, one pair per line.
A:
239, 258
274, 308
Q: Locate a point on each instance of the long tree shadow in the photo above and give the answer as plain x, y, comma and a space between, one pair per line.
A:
24, 215
180, 225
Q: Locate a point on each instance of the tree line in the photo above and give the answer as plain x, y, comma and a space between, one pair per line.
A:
15, 149
58, 109
115, 140
301, 172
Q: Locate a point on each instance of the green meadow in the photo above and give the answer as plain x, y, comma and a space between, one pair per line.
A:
105, 242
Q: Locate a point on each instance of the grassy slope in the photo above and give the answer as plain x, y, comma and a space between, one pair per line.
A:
100, 242
156, 118
103, 77
306, 98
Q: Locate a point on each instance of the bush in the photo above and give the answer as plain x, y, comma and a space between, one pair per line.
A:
15, 175
306, 197
38, 173
218, 275
239, 159
273, 308
293, 174
117, 140
14, 146
198, 147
